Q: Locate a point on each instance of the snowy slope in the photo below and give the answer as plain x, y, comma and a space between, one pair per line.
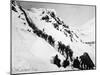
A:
36, 34
26, 58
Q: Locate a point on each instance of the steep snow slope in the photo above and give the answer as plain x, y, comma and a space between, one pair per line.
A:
29, 52
36, 37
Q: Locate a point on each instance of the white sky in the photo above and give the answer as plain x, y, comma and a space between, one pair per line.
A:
74, 15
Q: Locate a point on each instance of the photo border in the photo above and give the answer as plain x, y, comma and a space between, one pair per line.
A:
52, 3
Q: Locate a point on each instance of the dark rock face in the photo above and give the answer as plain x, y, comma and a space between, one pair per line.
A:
13, 2
65, 50
46, 18
13, 8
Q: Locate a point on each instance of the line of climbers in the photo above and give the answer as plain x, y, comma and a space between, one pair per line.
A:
83, 62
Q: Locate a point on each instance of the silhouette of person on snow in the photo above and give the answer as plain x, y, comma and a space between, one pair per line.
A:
57, 61
76, 63
65, 63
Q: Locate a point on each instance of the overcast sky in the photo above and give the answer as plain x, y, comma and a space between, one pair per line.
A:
74, 15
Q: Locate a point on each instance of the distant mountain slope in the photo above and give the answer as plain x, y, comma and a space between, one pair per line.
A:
87, 31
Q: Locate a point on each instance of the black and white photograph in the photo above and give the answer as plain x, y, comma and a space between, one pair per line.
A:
52, 37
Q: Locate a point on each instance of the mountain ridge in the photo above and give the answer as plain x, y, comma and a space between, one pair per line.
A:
46, 25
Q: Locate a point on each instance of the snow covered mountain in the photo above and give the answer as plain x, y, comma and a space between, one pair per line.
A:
38, 35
